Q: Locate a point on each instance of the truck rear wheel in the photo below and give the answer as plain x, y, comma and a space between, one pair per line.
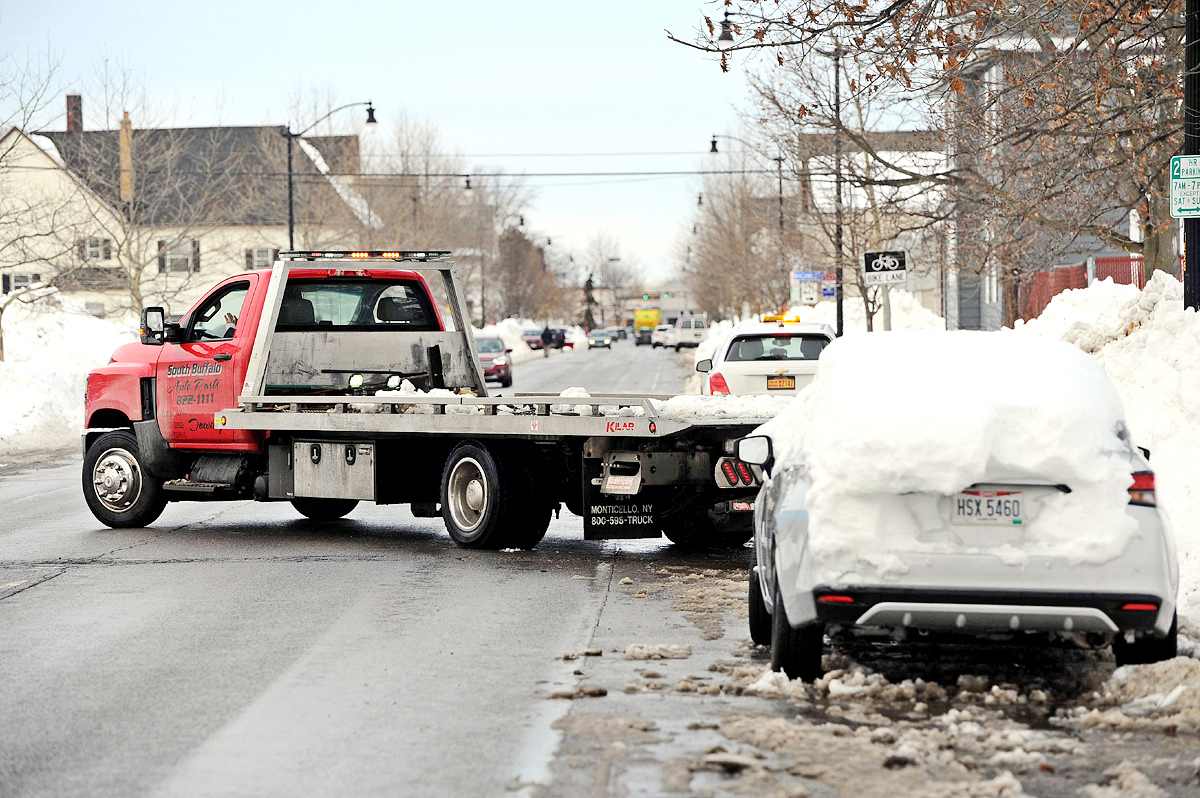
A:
697, 530
324, 509
486, 506
116, 486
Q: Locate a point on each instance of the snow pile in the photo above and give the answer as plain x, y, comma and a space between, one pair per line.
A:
894, 414
1162, 695
691, 408
1150, 347
908, 314
512, 333
49, 347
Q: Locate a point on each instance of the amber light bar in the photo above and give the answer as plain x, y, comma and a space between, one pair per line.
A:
359, 254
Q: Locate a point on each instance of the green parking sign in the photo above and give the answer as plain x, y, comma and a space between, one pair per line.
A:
1185, 186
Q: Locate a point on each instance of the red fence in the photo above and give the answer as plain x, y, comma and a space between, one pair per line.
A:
1044, 286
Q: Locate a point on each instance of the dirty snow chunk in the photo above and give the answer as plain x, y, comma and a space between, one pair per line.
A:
1057, 422
1124, 781
659, 651
1171, 687
626, 581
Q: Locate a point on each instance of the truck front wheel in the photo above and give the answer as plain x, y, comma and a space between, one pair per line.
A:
324, 509
116, 487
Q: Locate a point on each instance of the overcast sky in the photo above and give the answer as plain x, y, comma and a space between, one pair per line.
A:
535, 77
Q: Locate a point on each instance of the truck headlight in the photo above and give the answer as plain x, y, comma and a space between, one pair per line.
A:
393, 381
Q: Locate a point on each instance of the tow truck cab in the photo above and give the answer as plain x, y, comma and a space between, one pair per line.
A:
167, 387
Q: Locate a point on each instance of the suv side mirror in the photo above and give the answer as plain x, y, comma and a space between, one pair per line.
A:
154, 323
755, 450
704, 366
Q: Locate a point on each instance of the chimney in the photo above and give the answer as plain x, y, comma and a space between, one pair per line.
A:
74, 113
126, 142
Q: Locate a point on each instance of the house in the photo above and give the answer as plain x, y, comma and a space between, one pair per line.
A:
128, 218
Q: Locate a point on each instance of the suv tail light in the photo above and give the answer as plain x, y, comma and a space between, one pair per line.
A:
1141, 492
717, 384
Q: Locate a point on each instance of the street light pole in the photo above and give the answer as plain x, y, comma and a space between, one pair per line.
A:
289, 135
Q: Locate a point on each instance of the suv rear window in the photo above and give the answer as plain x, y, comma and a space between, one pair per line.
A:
355, 304
775, 347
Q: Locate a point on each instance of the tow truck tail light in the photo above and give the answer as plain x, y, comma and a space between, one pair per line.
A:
744, 472
729, 471
717, 384
1139, 606
1141, 492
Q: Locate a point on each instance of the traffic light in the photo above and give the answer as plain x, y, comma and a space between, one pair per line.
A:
645, 296
666, 296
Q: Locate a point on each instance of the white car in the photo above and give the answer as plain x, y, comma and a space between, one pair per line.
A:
688, 331
948, 509
777, 356
659, 336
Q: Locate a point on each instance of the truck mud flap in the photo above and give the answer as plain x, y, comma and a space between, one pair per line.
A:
616, 517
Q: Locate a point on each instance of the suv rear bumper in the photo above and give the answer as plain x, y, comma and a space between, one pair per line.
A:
985, 611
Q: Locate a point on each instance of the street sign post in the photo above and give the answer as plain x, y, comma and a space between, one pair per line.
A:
1185, 186
810, 293
884, 268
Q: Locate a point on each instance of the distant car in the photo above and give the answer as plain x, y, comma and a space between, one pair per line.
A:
598, 338
659, 336
774, 357
965, 529
532, 338
643, 336
688, 331
620, 332
496, 360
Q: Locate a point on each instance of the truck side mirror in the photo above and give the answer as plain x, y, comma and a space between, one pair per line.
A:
173, 333
755, 450
704, 365
154, 323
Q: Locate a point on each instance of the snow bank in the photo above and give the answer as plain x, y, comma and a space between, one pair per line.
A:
1150, 347
937, 412
511, 332
49, 348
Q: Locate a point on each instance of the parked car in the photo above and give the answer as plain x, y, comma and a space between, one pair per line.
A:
659, 336
1003, 516
598, 338
777, 356
643, 336
532, 338
496, 360
688, 331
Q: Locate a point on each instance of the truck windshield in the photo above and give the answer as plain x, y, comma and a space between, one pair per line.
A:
355, 304
776, 347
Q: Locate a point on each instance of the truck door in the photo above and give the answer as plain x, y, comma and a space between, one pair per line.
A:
203, 373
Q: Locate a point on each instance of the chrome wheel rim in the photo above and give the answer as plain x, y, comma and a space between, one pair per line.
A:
117, 480
468, 494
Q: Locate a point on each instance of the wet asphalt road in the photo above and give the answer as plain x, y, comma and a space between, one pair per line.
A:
236, 649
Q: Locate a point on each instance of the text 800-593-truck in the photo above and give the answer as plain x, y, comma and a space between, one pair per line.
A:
332, 379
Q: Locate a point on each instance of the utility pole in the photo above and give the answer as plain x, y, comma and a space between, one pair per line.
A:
837, 159
1191, 146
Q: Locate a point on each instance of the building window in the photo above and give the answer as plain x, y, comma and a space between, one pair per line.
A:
261, 257
94, 248
18, 281
182, 257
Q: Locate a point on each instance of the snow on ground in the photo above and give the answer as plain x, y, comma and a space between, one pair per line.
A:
49, 347
512, 332
1150, 347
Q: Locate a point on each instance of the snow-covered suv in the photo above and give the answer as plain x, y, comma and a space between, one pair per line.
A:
957, 483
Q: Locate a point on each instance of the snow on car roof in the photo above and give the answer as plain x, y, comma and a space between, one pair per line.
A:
937, 412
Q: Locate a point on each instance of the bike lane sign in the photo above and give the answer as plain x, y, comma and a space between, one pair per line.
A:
1185, 186
884, 268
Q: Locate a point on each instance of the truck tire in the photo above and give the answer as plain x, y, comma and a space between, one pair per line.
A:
1147, 649
482, 504
324, 509
760, 619
533, 519
796, 652
116, 486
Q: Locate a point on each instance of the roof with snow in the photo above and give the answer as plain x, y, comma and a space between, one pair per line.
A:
214, 175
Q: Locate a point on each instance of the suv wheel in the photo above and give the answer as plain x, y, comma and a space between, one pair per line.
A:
1147, 649
795, 651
